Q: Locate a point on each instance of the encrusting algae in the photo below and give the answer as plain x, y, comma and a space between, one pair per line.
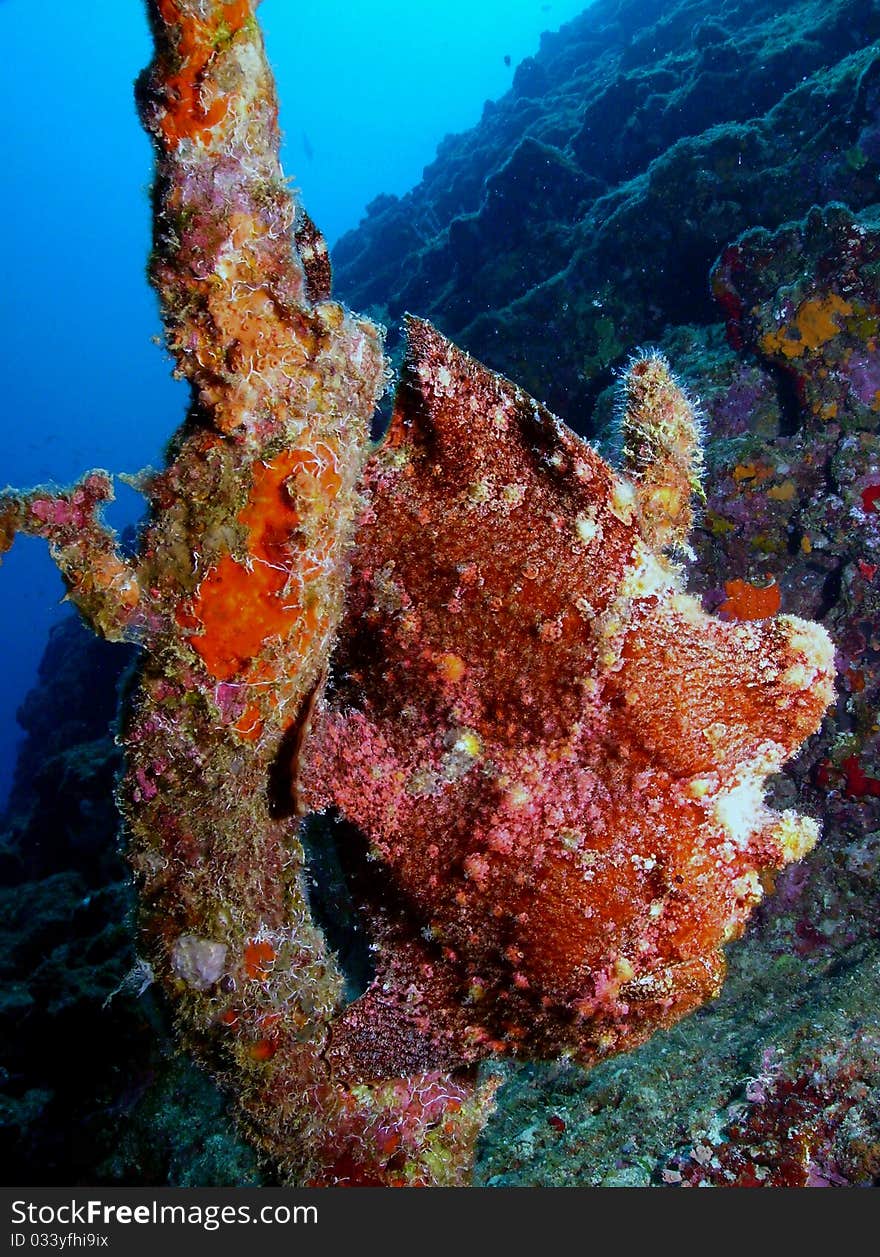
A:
554, 758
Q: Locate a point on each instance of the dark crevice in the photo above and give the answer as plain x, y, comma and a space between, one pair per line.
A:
832, 483
794, 536
831, 590
329, 883
282, 783
790, 408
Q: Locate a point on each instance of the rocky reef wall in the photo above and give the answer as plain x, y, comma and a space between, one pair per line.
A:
583, 213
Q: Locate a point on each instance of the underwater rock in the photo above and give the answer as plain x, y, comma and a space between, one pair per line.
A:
681, 140
61, 811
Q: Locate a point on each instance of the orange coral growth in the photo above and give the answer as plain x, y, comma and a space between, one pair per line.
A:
259, 956
187, 116
785, 492
815, 323
240, 605
239, 609
263, 1050
746, 601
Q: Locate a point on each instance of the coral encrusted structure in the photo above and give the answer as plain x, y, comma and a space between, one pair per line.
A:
555, 760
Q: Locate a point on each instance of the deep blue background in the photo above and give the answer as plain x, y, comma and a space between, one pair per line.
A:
367, 91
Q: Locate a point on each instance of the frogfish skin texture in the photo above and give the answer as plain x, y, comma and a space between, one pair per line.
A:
556, 755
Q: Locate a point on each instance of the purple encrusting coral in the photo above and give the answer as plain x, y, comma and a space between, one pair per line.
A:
863, 372
733, 409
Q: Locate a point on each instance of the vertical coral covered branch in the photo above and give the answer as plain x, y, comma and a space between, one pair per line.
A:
283, 383
245, 554
237, 592
246, 558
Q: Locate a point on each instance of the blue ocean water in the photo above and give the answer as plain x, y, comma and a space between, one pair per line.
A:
367, 91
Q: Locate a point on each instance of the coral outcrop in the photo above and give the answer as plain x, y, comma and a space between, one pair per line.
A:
555, 756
